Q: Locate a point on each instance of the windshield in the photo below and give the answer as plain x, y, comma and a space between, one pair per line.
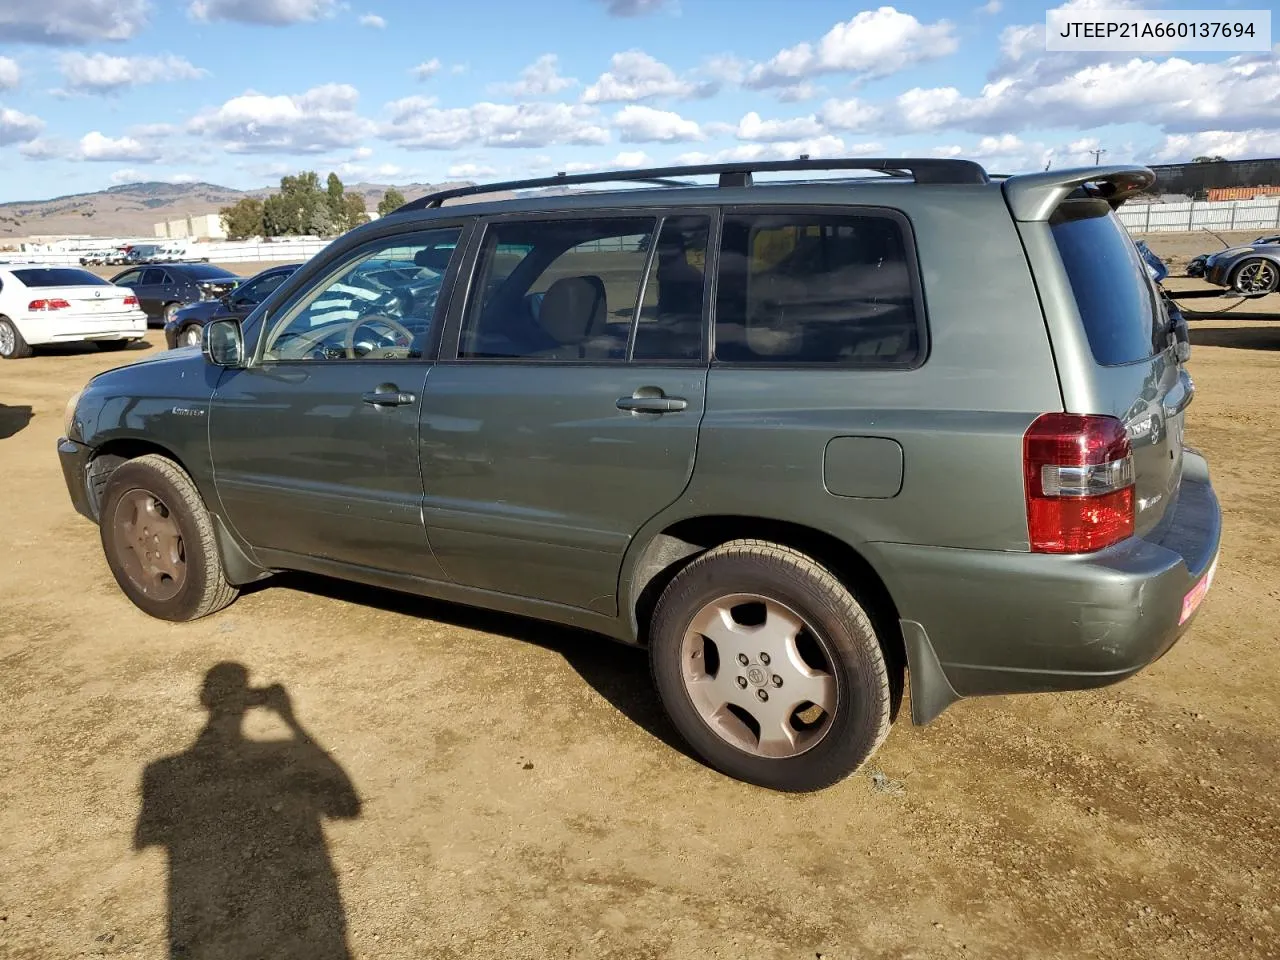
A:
59, 277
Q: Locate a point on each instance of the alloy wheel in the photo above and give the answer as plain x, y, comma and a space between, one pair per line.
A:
1258, 276
759, 675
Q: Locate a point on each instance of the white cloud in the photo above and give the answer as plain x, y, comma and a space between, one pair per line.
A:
323, 118
418, 123
426, 69
128, 175
635, 8
1232, 144
374, 21
634, 75
632, 159
540, 79
725, 67
824, 147
637, 124
579, 166
272, 13
99, 73
470, 171
852, 114
874, 43
991, 7
17, 127
804, 90
10, 74
70, 21
96, 146
751, 127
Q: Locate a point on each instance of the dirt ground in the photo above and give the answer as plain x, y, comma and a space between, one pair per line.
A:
520, 794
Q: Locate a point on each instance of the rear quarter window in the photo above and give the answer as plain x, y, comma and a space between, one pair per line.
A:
1118, 307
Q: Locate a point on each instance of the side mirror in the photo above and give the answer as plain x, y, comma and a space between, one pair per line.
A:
223, 343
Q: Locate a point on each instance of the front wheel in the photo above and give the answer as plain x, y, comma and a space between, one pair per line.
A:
170, 311
769, 667
1255, 277
159, 541
189, 337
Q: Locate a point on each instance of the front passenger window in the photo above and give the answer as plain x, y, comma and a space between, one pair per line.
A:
380, 305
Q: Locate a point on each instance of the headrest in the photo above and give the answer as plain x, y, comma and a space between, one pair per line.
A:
573, 309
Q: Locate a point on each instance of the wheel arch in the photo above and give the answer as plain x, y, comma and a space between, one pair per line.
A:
670, 550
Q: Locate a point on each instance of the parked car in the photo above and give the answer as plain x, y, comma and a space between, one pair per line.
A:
163, 289
1250, 270
185, 328
801, 442
41, 305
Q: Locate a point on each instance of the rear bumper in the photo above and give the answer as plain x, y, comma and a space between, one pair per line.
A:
987, 622
76, 329
74, 458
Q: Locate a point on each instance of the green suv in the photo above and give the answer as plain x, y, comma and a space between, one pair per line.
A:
801, 439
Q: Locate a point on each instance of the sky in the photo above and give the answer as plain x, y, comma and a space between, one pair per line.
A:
239, 92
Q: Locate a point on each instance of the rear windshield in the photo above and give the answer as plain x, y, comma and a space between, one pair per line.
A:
203, 271
1113, 293
59, 277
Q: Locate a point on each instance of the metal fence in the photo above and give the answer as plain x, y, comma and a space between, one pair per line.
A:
1260, 214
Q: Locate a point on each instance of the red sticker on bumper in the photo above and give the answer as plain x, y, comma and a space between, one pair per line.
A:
1196, 594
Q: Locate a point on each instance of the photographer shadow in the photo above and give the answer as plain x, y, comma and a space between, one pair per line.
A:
242, 823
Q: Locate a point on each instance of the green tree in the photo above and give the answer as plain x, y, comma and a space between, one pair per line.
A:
243, 218
1208, 159
392, 199
353, 211
335, 197
293, 210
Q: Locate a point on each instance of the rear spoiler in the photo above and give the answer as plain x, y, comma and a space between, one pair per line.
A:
1034, 196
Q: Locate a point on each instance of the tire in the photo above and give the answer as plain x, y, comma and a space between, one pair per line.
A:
201, 589
169, 311
841, 659
184, 336
1256, 276
12, 346
110, 346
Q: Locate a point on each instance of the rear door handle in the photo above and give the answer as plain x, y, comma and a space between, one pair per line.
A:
645, 401
388, 395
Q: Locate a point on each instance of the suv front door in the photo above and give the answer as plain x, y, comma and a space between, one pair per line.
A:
315, 444
567, 413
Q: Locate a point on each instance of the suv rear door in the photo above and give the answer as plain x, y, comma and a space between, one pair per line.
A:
566, 414
1135, 374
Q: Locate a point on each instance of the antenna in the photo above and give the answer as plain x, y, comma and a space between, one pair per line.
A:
1097, 155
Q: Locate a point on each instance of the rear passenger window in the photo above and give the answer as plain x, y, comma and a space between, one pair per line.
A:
1118, 308
816, 288
557, 290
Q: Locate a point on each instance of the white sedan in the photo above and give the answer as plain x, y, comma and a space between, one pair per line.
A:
40, 304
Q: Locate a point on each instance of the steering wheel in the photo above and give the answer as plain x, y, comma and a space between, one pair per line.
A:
349, 335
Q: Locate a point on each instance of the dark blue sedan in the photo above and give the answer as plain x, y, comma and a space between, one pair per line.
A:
187, 324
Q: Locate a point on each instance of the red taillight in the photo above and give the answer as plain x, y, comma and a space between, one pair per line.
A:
1079, 478
48, 305
130, 301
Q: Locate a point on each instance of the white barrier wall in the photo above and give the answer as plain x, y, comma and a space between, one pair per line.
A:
223, 251
1261, 214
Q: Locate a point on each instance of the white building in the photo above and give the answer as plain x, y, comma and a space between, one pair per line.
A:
204, 226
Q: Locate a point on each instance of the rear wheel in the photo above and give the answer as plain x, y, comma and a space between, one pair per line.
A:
159, 541
769, 667
12, 346
1256, 276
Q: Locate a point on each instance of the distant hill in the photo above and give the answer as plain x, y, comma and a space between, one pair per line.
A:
132, 209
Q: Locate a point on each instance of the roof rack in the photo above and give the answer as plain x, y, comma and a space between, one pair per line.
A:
923, 170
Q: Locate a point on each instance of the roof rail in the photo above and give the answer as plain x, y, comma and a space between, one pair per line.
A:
924, 170
1034, 196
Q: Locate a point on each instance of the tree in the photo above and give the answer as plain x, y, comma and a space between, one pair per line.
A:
335, 200
1209, 159
353, 211
293, 210
392, 199
243, 219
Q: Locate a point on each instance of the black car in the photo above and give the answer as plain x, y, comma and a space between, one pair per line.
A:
162, 289
184, 329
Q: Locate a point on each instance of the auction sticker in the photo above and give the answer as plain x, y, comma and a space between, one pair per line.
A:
1128, 31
